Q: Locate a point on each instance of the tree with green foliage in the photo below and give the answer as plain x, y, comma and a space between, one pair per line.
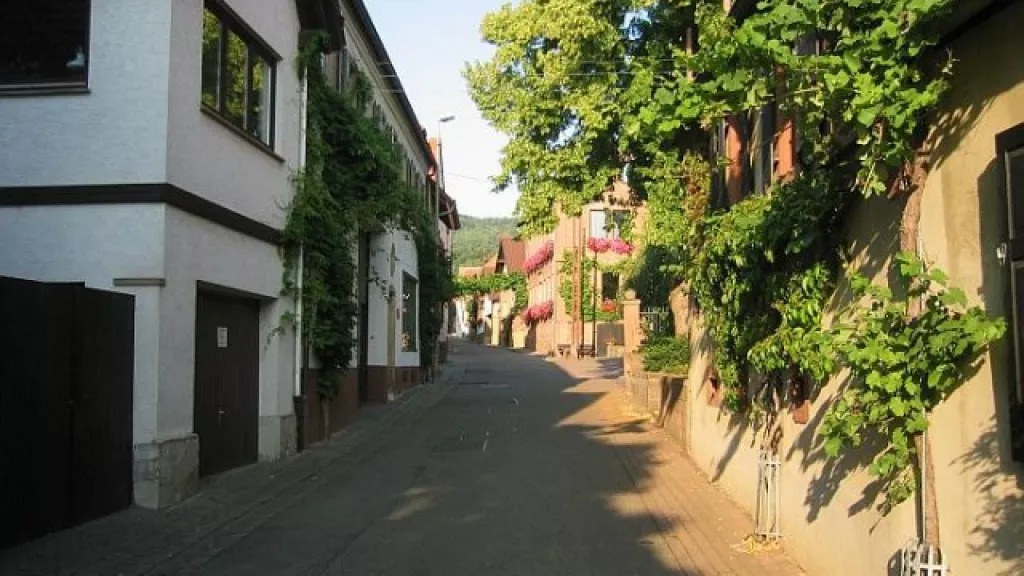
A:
582, 87
477, 239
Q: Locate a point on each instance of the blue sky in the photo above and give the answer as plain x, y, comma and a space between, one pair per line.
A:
429, 42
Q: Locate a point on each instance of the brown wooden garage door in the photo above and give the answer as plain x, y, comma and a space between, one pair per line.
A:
227, 381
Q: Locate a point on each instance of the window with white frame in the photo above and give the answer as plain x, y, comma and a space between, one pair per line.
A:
44, 44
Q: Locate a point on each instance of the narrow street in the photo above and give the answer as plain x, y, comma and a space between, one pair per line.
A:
515, 465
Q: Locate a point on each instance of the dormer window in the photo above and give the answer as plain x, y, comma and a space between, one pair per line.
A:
44, 45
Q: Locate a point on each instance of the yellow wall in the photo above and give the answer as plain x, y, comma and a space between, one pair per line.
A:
829, 525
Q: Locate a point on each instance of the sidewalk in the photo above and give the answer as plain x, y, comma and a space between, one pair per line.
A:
700, 527
228, 506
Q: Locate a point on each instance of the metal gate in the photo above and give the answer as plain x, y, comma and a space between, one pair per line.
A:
227, 379
66, 376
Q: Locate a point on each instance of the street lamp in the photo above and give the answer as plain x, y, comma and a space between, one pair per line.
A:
440, 156
437, 198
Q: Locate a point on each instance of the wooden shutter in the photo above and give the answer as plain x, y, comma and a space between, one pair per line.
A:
1010, 146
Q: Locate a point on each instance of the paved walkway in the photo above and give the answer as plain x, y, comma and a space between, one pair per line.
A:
514, 465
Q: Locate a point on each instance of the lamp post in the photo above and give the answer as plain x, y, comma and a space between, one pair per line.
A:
440, 157
593, 291
437, 210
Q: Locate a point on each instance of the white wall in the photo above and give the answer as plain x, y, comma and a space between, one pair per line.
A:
114, 134
209, 159
96, 244
201, 251
380, 268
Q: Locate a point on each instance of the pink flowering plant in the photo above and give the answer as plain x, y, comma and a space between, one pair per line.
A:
602, 245
538, 312
540, 257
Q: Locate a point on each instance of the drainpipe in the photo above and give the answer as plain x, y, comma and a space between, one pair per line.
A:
297, 399
298, 327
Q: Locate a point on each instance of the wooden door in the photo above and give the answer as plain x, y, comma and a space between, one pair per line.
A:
226, 381
66, 363
101, 463
363, 370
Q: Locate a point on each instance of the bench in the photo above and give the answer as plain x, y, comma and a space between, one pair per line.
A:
585, 350
564, 350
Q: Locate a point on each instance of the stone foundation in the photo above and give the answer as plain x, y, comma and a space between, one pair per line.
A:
386, 384
166, 472
319, 424
277, 437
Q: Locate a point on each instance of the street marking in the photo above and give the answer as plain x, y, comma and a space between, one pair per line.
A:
516, 400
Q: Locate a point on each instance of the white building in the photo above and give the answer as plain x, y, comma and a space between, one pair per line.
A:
149, 150
388, 352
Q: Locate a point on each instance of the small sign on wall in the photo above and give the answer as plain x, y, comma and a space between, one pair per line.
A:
222, 337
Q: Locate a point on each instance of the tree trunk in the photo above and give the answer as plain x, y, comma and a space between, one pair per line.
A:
916, 174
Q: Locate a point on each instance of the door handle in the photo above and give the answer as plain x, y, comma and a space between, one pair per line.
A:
1001, 252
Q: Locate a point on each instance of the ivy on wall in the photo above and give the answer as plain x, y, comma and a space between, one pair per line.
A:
351, 183
857, 91
478, 286
581, 86
565, 289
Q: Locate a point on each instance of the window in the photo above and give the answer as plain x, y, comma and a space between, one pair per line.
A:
597, 223
238, 74
719, 152
762, 149
44, 44
609, 286
601, 228
408, 313
344, 69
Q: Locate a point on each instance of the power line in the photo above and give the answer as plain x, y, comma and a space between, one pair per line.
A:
473, 178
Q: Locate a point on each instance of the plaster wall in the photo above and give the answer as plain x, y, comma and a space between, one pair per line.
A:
397, 248
978, 486
207, 158
116, 132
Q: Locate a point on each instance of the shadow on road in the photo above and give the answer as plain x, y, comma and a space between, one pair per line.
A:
513, 471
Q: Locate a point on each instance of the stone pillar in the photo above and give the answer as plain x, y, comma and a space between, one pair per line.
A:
632, 331
679, 304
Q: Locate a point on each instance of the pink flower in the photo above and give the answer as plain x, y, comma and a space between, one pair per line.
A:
620, 246
538, 312
540, 257
598, 245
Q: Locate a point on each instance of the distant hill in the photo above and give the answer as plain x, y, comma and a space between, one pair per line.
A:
477, 240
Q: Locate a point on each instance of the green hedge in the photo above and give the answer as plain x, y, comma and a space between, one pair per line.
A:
666, 354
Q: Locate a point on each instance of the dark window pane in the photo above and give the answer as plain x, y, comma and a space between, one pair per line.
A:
235, 74
261, 99
609, 285
212, 32
44, 42
1015, 186
618, 222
